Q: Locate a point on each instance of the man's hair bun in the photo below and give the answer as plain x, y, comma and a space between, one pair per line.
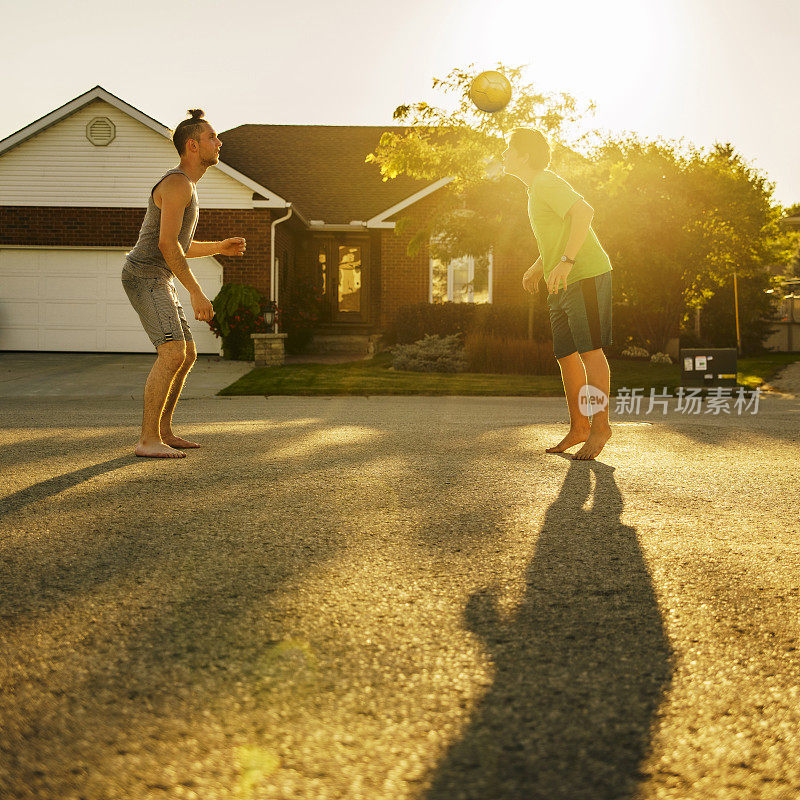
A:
190, 128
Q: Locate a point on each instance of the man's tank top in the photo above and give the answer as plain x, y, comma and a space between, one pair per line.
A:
146, 260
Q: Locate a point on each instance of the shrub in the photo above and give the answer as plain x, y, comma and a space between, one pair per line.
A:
412, 323
238, 312
506, 355
512, 321
446, 319
689, 338
632, 351
660, 358
298, 315
430, 354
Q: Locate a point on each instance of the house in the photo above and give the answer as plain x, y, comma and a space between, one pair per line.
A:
785, 335
73, 189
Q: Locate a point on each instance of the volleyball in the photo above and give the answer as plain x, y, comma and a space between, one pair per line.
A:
490, 91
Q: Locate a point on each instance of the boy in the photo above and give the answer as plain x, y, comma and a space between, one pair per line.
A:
578, 275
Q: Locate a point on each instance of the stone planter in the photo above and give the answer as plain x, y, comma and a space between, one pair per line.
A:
268, 349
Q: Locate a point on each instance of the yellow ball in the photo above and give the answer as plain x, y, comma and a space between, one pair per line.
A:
490, 91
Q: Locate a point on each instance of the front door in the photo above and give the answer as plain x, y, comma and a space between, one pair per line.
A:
343, 264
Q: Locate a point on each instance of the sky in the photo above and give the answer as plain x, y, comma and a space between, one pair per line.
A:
697, 70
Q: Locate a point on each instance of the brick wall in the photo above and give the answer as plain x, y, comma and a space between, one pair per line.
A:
253, 267
405, 280
119, 227
398, 279
286, 253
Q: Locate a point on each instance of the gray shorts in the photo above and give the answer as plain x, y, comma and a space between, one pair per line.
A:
156, 302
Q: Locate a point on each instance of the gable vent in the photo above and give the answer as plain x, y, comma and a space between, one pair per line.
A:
101, 131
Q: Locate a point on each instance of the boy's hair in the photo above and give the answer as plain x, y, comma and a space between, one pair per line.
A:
188, 129
532, 143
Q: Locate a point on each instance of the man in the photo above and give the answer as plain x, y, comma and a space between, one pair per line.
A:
166, 240
578, 275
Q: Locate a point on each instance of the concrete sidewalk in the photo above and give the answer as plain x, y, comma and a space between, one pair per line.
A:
95, 375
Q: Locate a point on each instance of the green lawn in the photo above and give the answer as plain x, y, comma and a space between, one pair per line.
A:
762, 369
373, 376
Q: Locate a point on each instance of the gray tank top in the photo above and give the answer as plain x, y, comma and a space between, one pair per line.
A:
146, 260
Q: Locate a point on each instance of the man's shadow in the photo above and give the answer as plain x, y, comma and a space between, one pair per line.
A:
581, 666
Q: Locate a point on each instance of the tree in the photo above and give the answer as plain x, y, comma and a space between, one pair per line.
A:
476, 211
677, 223
756, 315
676, 220
793, 213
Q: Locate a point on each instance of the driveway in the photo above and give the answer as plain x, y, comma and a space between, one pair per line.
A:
382, 598
86, 375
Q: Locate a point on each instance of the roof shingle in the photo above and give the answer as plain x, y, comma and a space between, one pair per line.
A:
318, 168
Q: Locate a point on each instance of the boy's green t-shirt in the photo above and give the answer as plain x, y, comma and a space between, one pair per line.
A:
549, 199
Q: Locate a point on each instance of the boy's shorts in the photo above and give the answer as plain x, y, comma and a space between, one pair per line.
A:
156, 302
581, 316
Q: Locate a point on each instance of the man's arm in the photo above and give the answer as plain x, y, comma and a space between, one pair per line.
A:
227, 247
200, 249
175, 193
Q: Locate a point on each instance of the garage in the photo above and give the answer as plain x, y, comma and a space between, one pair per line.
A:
54, 299
74, 187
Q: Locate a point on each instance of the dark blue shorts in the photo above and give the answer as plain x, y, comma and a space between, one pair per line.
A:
581, 316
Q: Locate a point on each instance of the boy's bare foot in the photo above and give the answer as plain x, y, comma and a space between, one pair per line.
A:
573, 437
157, 450
177, 441
594, 444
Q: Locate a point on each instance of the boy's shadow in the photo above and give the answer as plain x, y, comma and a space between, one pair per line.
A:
580, 667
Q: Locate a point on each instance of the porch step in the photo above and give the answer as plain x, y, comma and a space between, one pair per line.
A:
355, 343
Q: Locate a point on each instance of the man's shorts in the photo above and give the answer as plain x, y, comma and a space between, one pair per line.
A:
581, 316
156, 302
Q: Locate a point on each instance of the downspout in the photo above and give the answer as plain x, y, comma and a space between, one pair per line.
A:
273, 274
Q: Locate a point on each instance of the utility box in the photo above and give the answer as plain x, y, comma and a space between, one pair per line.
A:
708, 366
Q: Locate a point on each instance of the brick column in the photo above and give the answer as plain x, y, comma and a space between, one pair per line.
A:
268, 349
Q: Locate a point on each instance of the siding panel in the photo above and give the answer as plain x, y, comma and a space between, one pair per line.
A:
61, 167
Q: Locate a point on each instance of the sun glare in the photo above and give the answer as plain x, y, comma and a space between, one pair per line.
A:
622, 55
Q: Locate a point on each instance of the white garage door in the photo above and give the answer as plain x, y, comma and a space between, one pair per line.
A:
73, 300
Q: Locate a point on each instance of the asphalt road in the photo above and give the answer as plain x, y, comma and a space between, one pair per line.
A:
388, 598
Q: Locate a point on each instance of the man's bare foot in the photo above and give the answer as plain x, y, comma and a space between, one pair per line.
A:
573, 437
594, 444
157, 450
177, 441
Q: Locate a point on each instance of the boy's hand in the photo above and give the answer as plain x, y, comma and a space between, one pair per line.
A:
558, 277
531, 278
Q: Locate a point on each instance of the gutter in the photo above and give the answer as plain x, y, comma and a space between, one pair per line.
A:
273, 274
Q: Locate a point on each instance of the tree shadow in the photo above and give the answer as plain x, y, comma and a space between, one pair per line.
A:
59, 483
580, 667
199, 610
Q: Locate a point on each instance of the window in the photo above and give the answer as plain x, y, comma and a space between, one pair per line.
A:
349, 278
323, 271
467, 279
